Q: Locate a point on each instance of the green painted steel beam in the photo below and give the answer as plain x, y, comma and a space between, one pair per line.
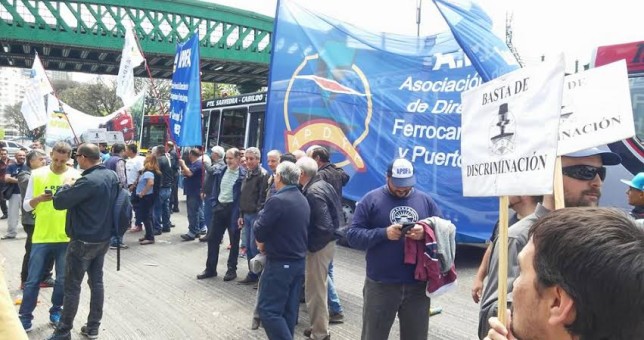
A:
227, 35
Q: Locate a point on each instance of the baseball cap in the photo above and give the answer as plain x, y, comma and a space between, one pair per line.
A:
401, 172
608, 158
637, 182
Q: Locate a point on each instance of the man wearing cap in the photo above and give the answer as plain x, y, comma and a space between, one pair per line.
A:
217, 164
390, 288
583, 176
635, 194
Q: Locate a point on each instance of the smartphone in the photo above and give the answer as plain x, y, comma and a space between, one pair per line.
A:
406, 227
48, 192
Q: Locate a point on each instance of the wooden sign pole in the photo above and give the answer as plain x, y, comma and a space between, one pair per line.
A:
503, 257
558, 185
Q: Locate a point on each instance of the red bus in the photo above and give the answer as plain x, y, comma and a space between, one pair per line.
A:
631, 150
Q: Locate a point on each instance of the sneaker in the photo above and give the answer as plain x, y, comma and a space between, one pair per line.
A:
255, 324
4, 217
203, 232
123, 246
336, 318
60, 336
230, 275
27, 325
7, 237
247, 280
54, 318
187, 237
47, 283
135, 229
90, 333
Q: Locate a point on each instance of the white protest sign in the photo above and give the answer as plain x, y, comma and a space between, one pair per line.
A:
509, 132
114, 137
596, 108
95, 136
33, 105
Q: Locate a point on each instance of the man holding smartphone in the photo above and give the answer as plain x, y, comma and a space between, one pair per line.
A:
49, 238
390, 288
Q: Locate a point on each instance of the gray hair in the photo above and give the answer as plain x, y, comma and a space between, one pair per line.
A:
218, 150
275, 153
299, 154
308, 166
311, 148
255, 152
289, 172
33, 154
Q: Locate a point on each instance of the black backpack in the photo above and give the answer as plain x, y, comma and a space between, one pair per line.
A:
122, 217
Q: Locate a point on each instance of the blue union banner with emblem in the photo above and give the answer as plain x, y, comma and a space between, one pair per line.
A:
370, 98
185, 95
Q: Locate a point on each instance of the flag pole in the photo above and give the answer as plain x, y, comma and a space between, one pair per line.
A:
155, 93
503, 258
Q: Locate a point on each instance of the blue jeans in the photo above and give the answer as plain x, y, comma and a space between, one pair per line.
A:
195, 206
39, 254
161, 212
279, 297
83, 257
333, 299
249, 242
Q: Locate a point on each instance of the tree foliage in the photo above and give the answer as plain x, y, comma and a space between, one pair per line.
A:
96, 99
13, 114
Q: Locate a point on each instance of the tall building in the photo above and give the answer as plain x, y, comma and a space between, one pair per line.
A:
12, 90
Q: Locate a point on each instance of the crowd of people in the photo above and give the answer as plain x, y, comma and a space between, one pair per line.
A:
285, 220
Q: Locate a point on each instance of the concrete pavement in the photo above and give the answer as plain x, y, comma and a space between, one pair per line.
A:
156, 294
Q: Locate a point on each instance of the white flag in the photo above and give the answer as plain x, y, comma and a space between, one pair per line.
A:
33, 107
131, 57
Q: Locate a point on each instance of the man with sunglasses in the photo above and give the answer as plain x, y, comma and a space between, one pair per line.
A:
583, 176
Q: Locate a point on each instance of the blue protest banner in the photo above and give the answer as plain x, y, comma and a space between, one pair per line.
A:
472, 28
185, 95
370, 98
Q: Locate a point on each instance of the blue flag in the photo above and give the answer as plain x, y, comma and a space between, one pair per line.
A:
369, 98
472, 28
185, 96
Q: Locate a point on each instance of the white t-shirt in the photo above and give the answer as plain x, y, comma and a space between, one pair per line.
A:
132, 168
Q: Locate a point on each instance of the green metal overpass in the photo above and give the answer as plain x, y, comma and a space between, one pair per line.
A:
88, 36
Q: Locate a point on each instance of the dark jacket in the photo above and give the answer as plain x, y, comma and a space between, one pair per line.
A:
214, 195
282, 225
253, 190
208, 181
325, 213
167, 175
89, 203
23, 182
334, 176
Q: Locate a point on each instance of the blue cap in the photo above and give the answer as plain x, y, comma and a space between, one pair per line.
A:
608, 158
637, 182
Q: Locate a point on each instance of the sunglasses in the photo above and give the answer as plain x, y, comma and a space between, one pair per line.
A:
584, 172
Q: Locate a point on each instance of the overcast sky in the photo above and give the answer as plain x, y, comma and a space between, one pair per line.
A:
543, 27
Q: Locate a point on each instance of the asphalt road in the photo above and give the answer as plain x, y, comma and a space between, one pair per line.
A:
155, 295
